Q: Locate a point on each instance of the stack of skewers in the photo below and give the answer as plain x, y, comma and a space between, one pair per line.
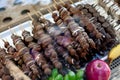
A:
78, 34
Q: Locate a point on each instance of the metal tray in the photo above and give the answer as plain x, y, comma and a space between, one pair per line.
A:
115, 66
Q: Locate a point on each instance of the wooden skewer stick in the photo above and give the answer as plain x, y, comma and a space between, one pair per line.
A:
22, 28
72, 3
2, 40
5, 40
13, 32
62, 2
49, 10
54, 6
55, 2
36, 13
31, 19
10, 30
30, 16
41, 14
31, 25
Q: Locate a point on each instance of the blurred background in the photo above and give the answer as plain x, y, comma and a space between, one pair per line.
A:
4, 4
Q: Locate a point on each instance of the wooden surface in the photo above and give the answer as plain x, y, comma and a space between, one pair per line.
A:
17, 17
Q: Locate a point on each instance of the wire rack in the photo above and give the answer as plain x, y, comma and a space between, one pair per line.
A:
115, 67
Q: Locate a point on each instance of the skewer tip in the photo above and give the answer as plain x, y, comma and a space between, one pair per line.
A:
49, 9
62, 2
30, 16
55, 1
55, 6
10, 30
22, 27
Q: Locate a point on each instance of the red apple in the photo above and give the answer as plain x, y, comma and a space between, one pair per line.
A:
97, 70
